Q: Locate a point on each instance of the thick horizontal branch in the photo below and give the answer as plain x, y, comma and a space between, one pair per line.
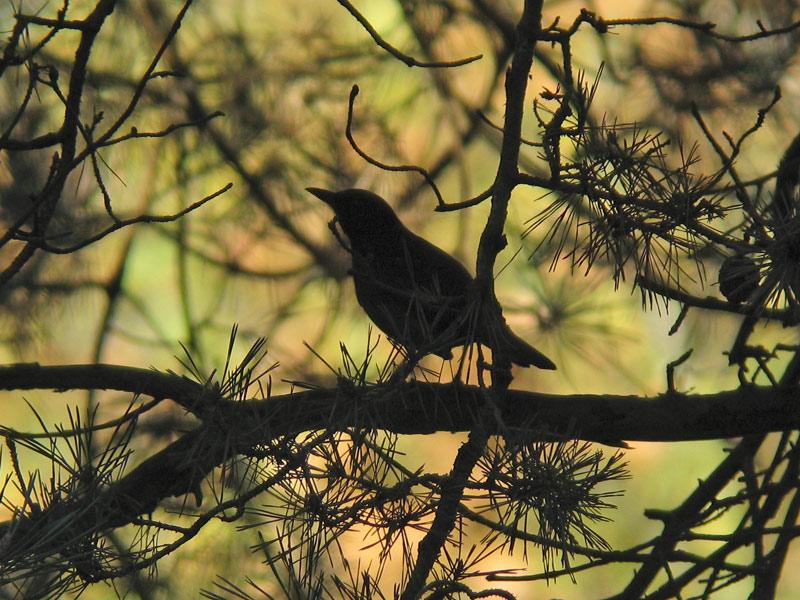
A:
233, 428
425, 408
420, 408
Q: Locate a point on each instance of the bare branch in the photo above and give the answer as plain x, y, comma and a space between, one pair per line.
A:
121, 223
380, 165
408, 60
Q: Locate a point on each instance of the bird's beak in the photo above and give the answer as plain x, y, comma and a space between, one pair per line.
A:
326, 196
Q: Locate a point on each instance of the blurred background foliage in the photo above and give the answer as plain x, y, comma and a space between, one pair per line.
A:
262, 256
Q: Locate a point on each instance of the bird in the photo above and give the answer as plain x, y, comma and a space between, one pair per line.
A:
416, 293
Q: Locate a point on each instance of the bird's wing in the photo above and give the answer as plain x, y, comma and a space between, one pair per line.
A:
433, 269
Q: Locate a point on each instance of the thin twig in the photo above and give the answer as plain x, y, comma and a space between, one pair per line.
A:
380, 165
405, 58
119, 224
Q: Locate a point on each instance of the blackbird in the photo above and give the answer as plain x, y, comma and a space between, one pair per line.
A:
417, 294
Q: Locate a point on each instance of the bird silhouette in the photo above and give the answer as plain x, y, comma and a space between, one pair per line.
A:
417, 294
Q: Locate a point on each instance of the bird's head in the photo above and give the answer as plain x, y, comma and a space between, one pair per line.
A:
365, 218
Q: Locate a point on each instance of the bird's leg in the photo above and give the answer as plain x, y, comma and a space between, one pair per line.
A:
462, 360
482, 366
406, 367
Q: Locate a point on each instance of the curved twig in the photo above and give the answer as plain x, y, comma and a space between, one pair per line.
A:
380, 165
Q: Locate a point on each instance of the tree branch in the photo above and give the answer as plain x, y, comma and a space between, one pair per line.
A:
450, 407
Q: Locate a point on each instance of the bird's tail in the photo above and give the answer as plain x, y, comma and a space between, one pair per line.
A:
522, 353
496, 334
